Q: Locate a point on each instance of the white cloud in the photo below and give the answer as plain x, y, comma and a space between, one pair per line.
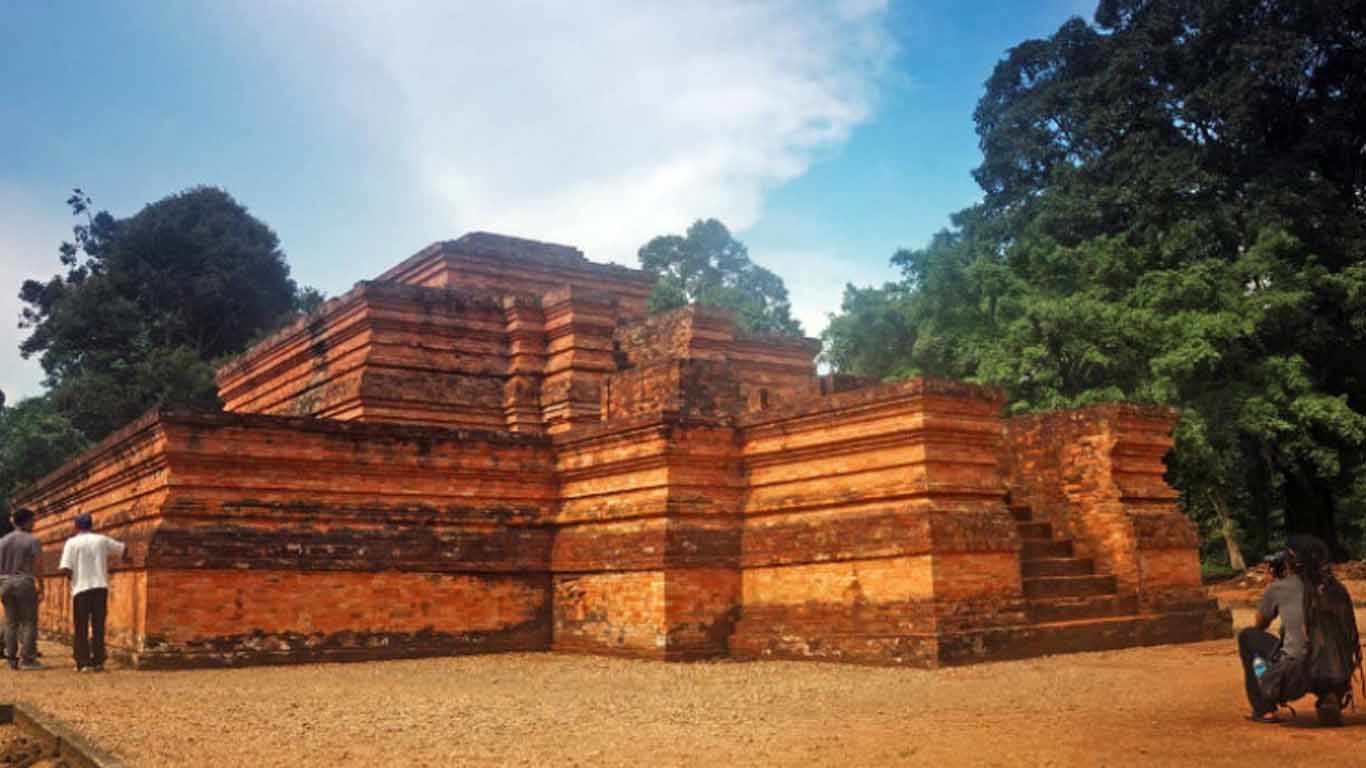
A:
29, 235
599, 123
815, 283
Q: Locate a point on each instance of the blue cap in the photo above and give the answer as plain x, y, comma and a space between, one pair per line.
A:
84, 523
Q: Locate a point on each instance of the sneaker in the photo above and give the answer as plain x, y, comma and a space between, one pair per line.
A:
81, 670
30, 666
1329, 710
97, 668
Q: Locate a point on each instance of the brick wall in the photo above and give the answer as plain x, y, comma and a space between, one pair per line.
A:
382, 352
238, 522
875, 523
695, 362
865, 526
646, 556
208, 617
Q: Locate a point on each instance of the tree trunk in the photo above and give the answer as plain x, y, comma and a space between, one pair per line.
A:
1235, 555
1314, 511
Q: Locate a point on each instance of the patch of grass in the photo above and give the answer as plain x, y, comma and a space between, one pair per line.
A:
1216, 570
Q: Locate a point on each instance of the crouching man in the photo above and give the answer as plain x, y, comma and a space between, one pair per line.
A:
1318, 650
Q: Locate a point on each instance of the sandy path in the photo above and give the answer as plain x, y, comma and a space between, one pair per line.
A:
1175, 705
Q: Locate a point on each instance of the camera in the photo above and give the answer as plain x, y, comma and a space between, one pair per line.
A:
1279, 562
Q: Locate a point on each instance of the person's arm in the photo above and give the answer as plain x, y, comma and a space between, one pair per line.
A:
1266, 609
65, 564
116, 547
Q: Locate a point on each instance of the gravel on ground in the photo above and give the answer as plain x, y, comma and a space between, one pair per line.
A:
1171, 705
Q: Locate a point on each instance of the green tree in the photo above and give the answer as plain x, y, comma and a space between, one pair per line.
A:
1175, 212
149, 303
873, 333
709, 266
34, 440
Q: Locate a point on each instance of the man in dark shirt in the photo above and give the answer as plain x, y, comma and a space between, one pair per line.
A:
1283, 599
21, 586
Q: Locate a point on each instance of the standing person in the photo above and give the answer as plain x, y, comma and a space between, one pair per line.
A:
86, 557
21, 586
5, 527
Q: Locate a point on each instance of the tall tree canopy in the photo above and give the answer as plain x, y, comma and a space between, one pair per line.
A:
709, 266
1174, 212
34, 440
148, 303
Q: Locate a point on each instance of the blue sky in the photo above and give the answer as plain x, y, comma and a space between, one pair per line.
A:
825, 134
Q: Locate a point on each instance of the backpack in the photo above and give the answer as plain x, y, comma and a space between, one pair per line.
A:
1334, 643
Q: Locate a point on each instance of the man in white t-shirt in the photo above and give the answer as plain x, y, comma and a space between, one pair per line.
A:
86, 558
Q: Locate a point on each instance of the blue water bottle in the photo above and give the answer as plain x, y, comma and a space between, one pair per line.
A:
1258, 666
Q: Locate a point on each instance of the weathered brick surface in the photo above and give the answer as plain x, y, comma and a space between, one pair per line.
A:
382, 352
221, 618
868, 506
701, 606
693, 361
512, 264
492, 448
658, 498
614, 613
214, 503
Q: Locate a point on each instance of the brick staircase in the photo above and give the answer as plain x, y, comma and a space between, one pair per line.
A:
1058, 586
1071, 608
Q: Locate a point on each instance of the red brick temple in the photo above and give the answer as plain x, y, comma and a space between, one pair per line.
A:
492, 447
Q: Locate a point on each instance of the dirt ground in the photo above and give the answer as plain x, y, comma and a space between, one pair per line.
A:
1175, 705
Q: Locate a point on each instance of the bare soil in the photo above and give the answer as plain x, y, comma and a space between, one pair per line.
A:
1173, 705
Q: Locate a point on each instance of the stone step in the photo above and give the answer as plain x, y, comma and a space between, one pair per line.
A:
1069, 586
1021, 513
1057, 566
1075, 608
1036, 549
1126, 630
1098, 634
1035, 530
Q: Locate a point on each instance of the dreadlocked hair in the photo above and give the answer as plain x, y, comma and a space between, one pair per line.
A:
1314, 567
1315, 573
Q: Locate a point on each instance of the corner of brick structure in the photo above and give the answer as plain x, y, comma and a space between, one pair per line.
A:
646, 556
